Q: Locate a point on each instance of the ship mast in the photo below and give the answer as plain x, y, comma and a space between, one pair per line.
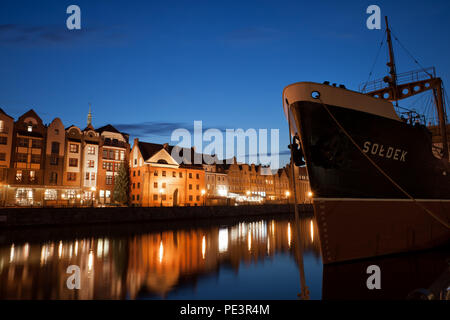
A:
392, 80
396, 91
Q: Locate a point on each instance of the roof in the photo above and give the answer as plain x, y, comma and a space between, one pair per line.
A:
108, 128
3, 112
149, 149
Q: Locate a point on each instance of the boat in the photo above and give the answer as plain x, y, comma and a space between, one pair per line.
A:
380, 182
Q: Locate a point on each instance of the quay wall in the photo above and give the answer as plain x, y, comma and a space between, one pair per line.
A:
25, 217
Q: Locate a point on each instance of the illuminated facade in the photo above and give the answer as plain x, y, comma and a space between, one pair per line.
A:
156, 179
48, 165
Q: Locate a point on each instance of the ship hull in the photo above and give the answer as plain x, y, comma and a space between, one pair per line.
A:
364, 208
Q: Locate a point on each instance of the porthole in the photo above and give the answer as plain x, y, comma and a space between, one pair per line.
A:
315, 94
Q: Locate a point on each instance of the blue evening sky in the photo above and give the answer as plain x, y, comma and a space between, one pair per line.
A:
152, 66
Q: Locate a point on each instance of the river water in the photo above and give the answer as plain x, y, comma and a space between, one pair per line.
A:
226, 259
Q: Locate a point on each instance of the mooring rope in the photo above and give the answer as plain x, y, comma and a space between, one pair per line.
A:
445, 224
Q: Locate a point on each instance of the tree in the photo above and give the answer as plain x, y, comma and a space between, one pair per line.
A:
121, 184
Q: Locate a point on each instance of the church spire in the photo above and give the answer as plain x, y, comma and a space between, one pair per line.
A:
89, 117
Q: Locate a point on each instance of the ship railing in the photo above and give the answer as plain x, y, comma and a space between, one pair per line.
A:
405, 77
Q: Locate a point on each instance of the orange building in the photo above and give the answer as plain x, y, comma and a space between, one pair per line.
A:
156, 179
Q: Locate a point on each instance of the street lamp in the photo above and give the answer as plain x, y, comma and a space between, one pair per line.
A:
160, 195
287, 196
93, 189
310, 195
203, 195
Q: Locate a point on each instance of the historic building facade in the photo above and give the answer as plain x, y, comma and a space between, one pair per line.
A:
48, 165
156, 179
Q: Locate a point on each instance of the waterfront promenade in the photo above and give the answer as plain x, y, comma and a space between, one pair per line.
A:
18, 217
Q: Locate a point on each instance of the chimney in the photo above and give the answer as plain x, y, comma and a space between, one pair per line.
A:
136, 141
166, 146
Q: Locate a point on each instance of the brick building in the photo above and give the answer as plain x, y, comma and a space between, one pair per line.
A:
156, 179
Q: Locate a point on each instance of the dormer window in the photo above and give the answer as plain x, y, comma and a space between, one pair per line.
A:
30, 128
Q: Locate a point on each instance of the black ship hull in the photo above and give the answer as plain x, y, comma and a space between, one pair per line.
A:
360, 212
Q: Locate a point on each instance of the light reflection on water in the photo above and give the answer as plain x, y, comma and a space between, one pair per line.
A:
247, 260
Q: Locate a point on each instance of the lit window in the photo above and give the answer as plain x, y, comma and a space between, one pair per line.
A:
50, 194
30, 128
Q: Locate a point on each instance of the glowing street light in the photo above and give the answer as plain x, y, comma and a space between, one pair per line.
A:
203, 195
161, 191
287, 196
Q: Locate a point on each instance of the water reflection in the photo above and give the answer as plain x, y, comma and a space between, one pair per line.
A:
153, 264
265, 259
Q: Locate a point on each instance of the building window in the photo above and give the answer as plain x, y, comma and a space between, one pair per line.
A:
139, 185
198, 187
91, 163
108, 166
50, 194
36, 143
174, 174
190, 175
35, 158
163, 197
139, 173
54, 160
24, 196
155, 197
197, 176
190, 198
91, 150
71, 194
73, 148
32, 176
22, 142
86, 176
53, 177
71, 176
156, 173
30, 128
55, 147
56, 132
22, 157
122, 155
155, 184
190, 187
137, 197
2, 156
134, 186
105, 153
132, 197
134, 173
198, 198
116, 167
73, 162
3, 140
109, 180
181, 175
164, 185
19, 175
92, 176
163, 173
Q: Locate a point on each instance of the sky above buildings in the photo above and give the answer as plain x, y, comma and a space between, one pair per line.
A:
151, 67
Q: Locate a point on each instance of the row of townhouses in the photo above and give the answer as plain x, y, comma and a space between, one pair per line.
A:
157, 179
53, 165
45, 165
